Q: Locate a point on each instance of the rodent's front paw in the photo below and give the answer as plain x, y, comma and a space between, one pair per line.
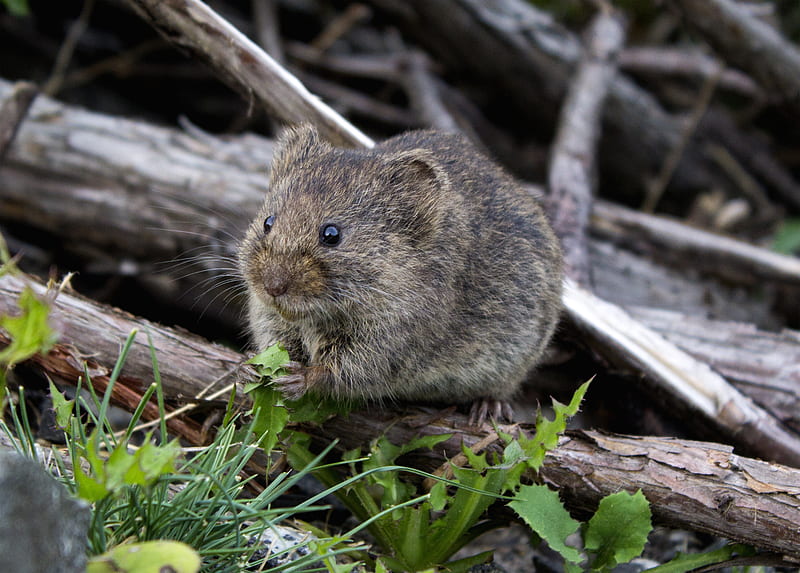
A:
299, 380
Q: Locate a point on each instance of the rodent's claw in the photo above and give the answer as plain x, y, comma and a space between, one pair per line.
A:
484, 409
294, 384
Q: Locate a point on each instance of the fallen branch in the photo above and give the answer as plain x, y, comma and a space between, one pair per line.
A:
572, 173
621, 338
92, 333
195, 27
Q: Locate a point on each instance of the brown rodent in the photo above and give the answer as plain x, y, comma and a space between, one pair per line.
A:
416, 270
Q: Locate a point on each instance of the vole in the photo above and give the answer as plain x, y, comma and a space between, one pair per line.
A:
416, 270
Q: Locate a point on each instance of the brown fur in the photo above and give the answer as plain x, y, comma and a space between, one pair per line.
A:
445, 286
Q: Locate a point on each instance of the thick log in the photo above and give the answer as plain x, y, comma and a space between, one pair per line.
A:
191, 369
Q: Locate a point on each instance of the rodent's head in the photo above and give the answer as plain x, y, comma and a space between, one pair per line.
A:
342, 227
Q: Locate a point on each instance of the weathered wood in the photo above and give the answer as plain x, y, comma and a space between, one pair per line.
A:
694, 485
572, 173
764, 365
621, 338
529, 59
747, 43
12, 112
195, 27
94, 333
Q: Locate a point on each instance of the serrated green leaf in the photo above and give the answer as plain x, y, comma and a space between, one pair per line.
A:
548, 431
90, 489
541, 508
618, 530
30, 332
477, 462
61, 406
269, 363
269, 416
117, 465
147, 557
154, 461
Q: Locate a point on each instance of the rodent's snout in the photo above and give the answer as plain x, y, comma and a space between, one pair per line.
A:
276, 279
276, 285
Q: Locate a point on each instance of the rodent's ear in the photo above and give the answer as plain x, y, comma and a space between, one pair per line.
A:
418, 192
417, 167
296, 144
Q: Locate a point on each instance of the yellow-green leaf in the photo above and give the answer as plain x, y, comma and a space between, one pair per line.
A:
30, 332
147, 557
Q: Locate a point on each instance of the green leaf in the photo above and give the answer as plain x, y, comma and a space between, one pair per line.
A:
30, 332
269, 363
618, 530
548, 431
90, 489
269, 416
467, 563
438, 497
787, 238
541, 508
62, 407
683, 563
122, 468
147, 557
384, 453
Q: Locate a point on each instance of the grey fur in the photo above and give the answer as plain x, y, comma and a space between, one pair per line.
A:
446, 285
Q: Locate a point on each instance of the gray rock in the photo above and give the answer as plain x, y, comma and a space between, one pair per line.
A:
42, 528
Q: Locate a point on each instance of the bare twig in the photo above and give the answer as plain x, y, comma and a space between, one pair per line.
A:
13, 109
53, 84
659, 184
571, 178
424, 95
339, 26
681, 62
672, 240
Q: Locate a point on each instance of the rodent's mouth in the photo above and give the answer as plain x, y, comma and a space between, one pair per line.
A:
288, 310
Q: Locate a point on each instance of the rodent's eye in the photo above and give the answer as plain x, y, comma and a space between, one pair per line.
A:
330, 235
268, 222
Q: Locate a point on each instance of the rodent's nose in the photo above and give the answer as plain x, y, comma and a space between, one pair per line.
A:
276, 285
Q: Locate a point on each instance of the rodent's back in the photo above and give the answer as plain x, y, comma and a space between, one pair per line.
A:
510, 298
445, 284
